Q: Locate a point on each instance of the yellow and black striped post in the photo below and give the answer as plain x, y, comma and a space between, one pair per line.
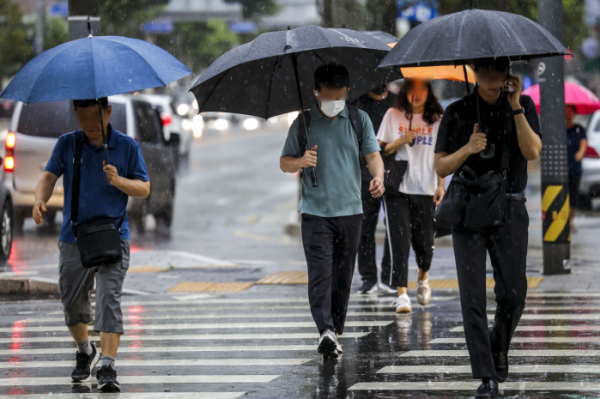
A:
555, 172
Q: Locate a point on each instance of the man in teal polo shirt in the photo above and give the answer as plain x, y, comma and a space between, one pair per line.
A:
332, 212
126, 176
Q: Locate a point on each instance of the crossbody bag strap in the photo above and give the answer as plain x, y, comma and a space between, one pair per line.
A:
505, 162
76, 177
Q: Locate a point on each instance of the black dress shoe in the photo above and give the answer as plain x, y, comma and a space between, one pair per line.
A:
501, 363
487, 388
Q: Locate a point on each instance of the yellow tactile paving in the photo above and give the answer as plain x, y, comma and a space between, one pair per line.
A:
210, 287
147, 269
289, 277
532, 282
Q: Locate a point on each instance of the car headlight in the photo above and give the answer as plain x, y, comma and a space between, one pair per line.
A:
197, 126
195, 104
183, 109
221, 124
250, 124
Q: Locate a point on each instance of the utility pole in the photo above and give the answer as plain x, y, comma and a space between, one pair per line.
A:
79, 11
556, 229
40, 13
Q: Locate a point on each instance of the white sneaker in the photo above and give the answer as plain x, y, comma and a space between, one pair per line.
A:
402, 304
423, 292
338, 347
386, 288
328, 344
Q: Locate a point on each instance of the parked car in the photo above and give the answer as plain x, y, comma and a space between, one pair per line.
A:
590, 179
172, 121
35, 129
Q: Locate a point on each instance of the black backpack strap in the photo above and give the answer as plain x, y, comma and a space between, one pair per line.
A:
356, 123
302, 142
76, 177
507, 133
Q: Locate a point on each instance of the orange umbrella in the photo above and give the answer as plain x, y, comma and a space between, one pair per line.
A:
449, 72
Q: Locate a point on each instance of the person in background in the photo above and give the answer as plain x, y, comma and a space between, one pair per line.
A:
375, 103
332, 211
409, 210
576, 147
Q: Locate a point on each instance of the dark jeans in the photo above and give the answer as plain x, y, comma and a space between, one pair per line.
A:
409, 221
330, 246
574, 181
367, 266
507, 246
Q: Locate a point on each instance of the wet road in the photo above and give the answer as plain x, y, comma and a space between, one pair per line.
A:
231, 205
263, 345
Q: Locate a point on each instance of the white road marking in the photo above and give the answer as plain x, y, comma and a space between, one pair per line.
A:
558, 316
204, 326
511, 353
165, 363
522, 340
150, 379
209, 316
136, 395
518, 368
581, 294
545, 328
193, 337
160, 349
472, 385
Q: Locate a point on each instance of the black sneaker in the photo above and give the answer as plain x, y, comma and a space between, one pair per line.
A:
368, 287
107, 380
84, 365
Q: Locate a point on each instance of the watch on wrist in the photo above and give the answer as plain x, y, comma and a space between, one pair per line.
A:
519, 111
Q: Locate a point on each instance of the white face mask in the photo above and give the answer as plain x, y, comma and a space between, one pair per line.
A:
332, 108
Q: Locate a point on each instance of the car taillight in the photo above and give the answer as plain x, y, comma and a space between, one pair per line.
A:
591, 153
9, 159
9, 163
167, 119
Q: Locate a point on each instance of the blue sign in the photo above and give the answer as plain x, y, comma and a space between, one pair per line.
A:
158, 26
59, 9
243, 27
418, 13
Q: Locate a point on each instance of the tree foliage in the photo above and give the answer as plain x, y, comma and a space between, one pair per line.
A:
15, 43
126, 17
575, 29
56, 32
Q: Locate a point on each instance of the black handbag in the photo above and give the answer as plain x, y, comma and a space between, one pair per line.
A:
473, 202
98, 238
394, 171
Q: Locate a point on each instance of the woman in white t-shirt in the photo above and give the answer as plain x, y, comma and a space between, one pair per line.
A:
409, 129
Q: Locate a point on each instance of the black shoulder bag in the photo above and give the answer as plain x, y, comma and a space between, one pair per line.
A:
98, 238
473, 202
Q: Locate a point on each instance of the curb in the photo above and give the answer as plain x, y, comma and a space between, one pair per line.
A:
28, 287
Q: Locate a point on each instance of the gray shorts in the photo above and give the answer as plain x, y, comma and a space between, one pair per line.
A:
75, 284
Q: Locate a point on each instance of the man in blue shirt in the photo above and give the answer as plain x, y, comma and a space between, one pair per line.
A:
332, 213
104, 191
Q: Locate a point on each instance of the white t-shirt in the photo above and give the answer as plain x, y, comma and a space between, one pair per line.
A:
420, 177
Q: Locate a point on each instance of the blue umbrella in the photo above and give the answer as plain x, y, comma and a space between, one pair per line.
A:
94, 67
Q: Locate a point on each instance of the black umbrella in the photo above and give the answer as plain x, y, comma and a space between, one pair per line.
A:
274, 73
465, 36
382, 36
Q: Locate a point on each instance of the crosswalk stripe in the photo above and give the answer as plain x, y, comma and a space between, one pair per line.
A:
555, 308
150, 379
584, 316
166, 363
564, 294
545, 328
197, 337
523, 340
209, 316
204, 326
518, 368
136, 395
511, 353
174, 349
472, 385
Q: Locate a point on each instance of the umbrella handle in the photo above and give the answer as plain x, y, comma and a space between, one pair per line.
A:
313, 177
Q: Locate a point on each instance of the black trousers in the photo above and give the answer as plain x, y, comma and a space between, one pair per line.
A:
330, 246
409, 221
507, 246
367, 266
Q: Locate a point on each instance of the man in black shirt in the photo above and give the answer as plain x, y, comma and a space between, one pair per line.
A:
460, 141
375, 103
